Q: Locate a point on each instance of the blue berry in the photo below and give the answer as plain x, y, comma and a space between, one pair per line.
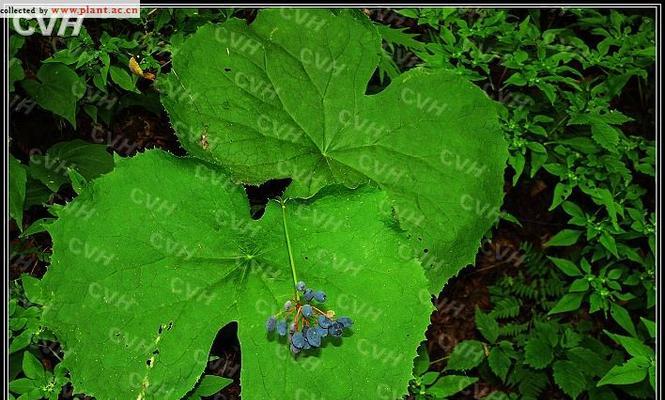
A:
313, 337
308, 295
270, 324
324, 322
298, 340
307, 345
281, 328
292, 327
294, 349
288, 305
300, 286
336, 329
307, 311
323, 332
320, 296
345, 321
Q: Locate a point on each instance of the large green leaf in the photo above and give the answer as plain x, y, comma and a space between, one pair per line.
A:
268, 101
166, 254
58, 89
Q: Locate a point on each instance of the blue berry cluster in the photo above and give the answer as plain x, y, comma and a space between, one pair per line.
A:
309, 324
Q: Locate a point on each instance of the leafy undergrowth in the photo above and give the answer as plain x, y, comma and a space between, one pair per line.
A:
362, 148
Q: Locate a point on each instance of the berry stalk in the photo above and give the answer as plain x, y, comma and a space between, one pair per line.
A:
288, 247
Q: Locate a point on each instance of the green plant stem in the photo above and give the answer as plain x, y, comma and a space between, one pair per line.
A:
439, 360
288, 247
558, 124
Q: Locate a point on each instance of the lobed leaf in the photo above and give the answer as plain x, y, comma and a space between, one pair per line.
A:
161, 253
269, 102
